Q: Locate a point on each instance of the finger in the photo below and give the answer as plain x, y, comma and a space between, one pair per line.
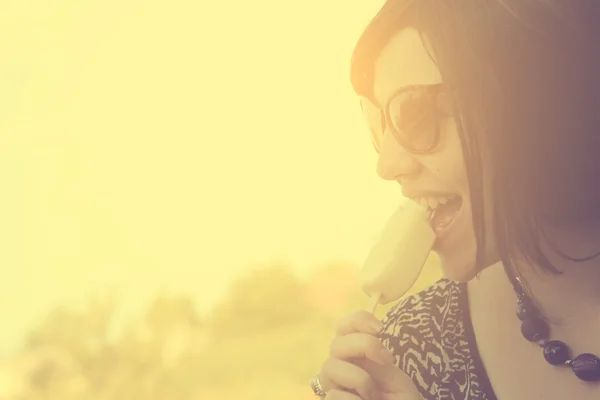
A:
339, 374
336, 394
360, 321
359, 346
389, 378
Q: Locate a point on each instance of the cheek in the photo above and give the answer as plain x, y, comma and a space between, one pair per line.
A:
448, 168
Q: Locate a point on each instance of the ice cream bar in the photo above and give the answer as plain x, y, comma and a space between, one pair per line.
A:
396, 261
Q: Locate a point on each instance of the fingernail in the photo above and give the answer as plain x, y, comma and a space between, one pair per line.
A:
376, 326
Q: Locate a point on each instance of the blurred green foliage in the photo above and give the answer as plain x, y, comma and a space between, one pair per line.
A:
263, 342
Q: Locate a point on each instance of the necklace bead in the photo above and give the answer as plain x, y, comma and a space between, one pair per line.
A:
535, 329
524, 311
587, 367
556, 352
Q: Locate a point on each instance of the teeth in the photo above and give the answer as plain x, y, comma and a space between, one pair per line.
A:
433, 202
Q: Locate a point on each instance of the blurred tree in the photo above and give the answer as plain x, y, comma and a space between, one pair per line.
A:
82, 335
166, 313
268, 298
273, 327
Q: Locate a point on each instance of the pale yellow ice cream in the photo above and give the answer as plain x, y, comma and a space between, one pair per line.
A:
396, 261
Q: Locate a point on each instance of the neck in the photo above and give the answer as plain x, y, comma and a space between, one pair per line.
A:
571, 302
573, 295
577, 290
571, 298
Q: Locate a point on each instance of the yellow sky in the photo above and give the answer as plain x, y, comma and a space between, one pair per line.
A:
156, 145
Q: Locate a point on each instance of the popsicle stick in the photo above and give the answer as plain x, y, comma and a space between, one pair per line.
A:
373, 302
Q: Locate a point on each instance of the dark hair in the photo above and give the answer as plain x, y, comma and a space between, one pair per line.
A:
525, 78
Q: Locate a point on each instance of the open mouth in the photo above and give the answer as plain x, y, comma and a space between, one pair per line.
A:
444, 211
444, 215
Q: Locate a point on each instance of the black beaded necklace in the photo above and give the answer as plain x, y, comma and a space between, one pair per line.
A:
535, 328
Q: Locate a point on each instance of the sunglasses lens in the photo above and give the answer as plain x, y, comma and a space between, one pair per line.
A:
413, 118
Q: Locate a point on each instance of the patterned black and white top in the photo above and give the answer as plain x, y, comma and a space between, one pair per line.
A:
431, 335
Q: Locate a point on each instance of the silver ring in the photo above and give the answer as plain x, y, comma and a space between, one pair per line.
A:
317, 387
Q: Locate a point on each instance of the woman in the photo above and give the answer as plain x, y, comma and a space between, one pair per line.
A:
494, 103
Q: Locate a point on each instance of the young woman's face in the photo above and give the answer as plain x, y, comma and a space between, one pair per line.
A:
431, 175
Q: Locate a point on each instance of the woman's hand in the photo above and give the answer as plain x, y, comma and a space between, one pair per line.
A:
360, 368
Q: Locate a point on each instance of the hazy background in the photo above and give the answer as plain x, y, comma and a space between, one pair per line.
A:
158, 147
151, 145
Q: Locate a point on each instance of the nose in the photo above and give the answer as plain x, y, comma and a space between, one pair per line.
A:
394, 161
